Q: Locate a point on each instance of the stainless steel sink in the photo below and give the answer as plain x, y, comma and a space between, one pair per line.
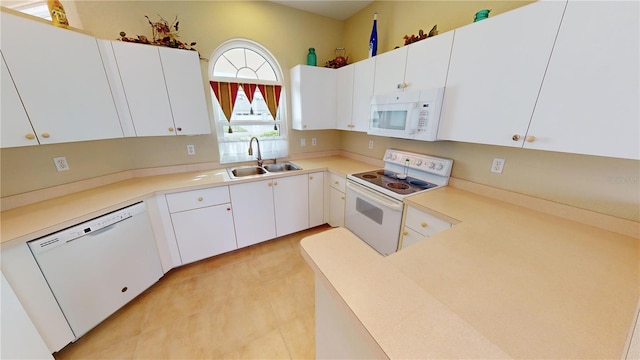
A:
246, 171
281, 167
252, 170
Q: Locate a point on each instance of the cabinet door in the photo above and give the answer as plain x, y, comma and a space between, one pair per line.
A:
16, 128
61, 80
291, 201
316, 199
183, 77
389, 72
254, 215
344, 97
588, 103
428, 62
144, 87
336, 206
313, 97
204, 232
495, 73
363, 80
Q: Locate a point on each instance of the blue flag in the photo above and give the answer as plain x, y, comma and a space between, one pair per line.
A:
373, 40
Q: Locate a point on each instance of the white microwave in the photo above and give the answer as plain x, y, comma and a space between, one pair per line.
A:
408, 115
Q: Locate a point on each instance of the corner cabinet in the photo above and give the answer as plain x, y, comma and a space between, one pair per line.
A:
202, 222
61, 81
161, 88
313, 97
495, 73
588, 102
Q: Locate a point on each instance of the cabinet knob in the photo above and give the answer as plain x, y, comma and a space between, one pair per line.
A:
337, 183
341, 197
179, 129
171, 129
405, 233
228, 209
30, 136
45, 135
515, 137
275, 183
200, 198
530, 138
424, 224
304, 126
270, 184
310, 177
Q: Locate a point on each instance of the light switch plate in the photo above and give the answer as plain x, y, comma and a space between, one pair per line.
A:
191, 149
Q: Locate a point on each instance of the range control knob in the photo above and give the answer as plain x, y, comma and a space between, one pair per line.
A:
418, 162
432, 165
394, 156
439, 167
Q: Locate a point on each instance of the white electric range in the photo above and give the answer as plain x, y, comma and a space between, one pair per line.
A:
374, 199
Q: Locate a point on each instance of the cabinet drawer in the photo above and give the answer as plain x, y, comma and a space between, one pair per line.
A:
338, 182
410, 237
198, 198
424, 223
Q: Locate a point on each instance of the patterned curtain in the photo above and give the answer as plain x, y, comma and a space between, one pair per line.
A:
271, 94
249, 90
226, 93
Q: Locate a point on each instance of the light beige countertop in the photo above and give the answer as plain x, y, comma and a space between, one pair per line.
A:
41, 218
504, 281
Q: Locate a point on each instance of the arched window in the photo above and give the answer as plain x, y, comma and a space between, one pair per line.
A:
248, 100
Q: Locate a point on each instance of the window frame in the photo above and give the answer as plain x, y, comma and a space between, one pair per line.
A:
221, 122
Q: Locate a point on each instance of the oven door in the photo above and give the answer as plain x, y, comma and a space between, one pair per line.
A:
373, 217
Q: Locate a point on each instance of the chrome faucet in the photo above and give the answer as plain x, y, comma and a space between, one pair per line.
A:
251, 150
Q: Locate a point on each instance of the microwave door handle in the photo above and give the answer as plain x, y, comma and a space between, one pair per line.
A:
375, 196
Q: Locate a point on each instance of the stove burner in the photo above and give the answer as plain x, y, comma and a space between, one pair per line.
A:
369, 176
421, 184
399, 186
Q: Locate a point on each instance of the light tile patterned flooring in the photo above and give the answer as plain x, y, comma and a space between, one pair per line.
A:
253, 303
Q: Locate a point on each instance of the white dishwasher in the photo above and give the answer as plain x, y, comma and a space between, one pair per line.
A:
96, 267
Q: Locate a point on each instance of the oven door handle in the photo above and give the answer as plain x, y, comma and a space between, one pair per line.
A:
375, 196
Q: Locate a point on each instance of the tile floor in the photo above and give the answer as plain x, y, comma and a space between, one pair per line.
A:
256, 302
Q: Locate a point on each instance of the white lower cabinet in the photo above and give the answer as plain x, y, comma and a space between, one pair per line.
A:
419, 225
269, 208
202, 222
316, 199
337, 189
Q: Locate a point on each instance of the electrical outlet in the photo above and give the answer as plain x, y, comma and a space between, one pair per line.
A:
61, 163
303, 142
191, 149
497, 165
314, 142
370, 144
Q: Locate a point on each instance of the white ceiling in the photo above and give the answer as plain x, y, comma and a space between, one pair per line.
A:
336, 9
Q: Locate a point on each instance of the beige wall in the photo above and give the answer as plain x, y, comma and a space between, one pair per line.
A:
606, 185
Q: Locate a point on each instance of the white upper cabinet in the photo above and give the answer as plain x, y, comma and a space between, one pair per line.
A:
313, 97
421, 65
588, 103
61, 80
186, 92
344, 97
363, 80
16, 128
495, 73
354, 92
162, 89
389, 74
146, 94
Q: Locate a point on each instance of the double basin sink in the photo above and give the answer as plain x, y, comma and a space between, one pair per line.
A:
252, 170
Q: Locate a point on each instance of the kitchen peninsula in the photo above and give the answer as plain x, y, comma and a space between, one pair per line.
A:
504, 282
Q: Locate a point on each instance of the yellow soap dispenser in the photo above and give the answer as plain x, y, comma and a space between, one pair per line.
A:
58, 16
